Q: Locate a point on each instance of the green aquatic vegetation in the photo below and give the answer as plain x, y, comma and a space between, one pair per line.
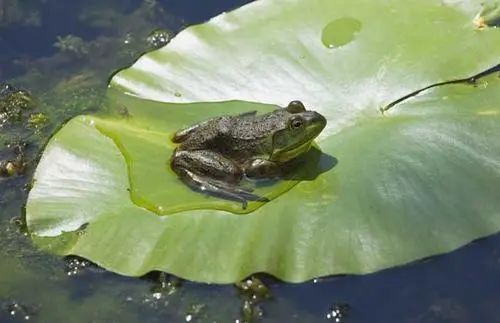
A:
416, 181
73, 80
73, 45
253, 288
15, 165
149, 15
7, 168
38, 120
252, 293
122, 41
22, 123
14, 104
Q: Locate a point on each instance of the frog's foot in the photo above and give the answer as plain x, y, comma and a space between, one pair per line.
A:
220, 189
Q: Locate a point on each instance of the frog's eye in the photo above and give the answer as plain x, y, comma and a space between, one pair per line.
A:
295, 107
296, 122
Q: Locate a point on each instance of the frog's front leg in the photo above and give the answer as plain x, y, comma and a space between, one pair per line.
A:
262, 168
212, 173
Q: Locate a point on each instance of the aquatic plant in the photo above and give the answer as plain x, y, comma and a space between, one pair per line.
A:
416, 181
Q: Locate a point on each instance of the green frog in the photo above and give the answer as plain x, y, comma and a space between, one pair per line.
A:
215, 155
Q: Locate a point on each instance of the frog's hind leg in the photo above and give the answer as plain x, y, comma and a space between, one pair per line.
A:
218, 189
211, 173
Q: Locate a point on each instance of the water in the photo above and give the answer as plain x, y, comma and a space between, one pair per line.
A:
340, 32
462, 286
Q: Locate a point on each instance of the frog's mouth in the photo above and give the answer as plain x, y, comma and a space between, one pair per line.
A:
300, 139
290, 153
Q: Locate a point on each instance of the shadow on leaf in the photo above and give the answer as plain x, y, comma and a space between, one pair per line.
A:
309, 166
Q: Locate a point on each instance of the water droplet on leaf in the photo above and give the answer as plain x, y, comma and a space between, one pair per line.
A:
340, 32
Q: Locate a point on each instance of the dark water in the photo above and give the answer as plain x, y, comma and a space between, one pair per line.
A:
463, 286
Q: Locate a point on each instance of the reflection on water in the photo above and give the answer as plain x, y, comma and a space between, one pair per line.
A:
462, 286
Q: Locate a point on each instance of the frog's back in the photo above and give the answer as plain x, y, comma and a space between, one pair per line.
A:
237, 137
252, 135
258, 127
203, 135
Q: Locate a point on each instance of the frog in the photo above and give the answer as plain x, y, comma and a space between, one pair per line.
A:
214, 156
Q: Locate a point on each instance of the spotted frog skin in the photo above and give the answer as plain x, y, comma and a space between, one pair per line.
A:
215, 155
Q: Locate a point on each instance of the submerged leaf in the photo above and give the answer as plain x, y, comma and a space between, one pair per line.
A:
420, 180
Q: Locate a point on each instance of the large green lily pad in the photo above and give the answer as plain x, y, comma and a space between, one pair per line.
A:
420, 180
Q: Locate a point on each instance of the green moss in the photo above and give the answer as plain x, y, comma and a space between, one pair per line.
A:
38, 120
18, 99
14, 104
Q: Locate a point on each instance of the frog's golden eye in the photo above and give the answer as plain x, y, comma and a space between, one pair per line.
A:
296, 122
295, 107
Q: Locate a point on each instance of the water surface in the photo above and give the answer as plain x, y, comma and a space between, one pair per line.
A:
462, 286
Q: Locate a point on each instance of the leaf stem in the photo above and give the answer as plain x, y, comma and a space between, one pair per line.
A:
468, 80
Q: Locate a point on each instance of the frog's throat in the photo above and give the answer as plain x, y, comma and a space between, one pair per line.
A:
286, 155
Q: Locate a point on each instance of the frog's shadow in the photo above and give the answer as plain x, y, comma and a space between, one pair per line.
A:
307, 167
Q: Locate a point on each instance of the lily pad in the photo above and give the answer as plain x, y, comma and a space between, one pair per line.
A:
143, 136
420, 180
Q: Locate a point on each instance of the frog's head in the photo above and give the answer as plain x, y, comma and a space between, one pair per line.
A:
298, 131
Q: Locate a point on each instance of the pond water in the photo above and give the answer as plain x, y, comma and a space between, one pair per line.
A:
463, 286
